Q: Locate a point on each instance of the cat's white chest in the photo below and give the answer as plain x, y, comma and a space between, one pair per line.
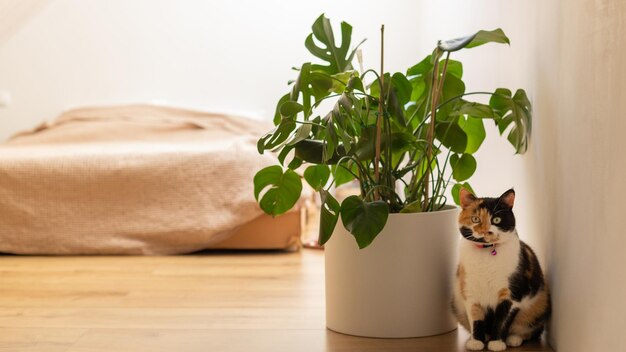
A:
486, 274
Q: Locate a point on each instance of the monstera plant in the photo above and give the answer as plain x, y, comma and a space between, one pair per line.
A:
405, 137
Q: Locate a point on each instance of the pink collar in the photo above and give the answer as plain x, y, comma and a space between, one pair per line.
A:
492, 245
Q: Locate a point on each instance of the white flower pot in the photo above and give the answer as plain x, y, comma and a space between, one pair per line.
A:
401, 285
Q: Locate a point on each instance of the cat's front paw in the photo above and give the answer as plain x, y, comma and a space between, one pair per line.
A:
496, 345
474, 345
514, 340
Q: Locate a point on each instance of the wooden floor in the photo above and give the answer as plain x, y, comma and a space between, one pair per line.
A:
206, 302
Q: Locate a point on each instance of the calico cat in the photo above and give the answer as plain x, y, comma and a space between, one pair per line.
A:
500, 295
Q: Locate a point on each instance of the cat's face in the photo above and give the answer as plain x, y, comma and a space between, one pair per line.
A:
487, 220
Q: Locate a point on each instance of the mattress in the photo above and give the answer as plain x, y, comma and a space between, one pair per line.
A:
136, 179
265, 232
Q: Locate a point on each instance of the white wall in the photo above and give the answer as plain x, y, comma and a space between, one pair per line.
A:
16, 13
215, 55
575, 168
588, 242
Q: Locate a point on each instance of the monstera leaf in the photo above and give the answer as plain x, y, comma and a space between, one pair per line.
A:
338, 57
516, 111
475, 131
344, 172
474, 40
451, 135
277, 136
463, 167
317, 176
284, 189
333, 124
364, 220
329, 215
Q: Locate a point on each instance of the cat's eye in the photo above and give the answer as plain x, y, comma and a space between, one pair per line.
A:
496, 220
475, 219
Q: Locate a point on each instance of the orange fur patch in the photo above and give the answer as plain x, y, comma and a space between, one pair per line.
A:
503, 294
478, 312
460, 273
522, 324
485, 221
465, 217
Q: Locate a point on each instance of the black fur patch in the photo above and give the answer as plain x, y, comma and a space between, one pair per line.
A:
499, 320
497, 208
478, 330
486, 324
466, 232
521, 285
506, 327
469, 234
536, 334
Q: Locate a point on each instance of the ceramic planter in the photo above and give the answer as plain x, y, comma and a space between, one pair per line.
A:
398, 287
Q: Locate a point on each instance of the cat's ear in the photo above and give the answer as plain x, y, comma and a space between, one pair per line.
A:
508, 198
466, 197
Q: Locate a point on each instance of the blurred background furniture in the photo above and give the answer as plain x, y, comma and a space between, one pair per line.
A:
137, 179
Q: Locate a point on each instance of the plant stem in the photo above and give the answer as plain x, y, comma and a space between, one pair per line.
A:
443, 73
391, 190
464, 94
418, 107
431, 130
385, 161
381, 101
415, 182
437, 89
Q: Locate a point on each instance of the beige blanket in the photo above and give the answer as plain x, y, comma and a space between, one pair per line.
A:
128, 180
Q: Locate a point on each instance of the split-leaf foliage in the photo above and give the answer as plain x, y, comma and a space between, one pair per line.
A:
428, 124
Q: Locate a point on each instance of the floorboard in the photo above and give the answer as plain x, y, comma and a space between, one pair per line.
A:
216, 301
